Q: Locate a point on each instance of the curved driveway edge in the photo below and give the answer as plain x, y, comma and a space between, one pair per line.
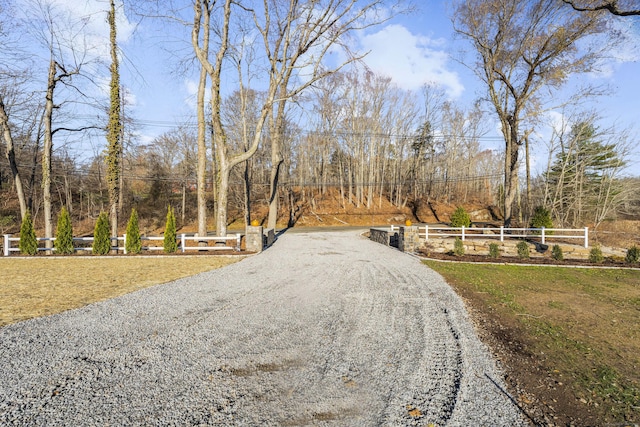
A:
320, 329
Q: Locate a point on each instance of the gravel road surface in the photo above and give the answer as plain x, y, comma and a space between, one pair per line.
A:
320, 329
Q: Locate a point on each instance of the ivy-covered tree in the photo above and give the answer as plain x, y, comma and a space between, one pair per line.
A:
114, 127
64, 234
170, 243
101, 236
28, 242
133, 243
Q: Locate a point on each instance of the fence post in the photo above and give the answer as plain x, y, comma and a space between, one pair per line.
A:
238, 239
426, 232
7, 244
586, 237
542, 235
463, 233
124, 242
502, 233
182, 242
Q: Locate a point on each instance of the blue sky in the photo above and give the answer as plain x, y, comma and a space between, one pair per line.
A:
413, 49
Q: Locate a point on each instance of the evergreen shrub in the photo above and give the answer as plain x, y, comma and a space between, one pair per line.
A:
170, 243
556, 253
460, 218
633, 255
494, 250
64, 234
133, 243
458, 247
523, 250
595, 255
28, 242
101, 235
541, 218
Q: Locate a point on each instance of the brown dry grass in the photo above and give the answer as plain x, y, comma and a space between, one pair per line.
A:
39, 286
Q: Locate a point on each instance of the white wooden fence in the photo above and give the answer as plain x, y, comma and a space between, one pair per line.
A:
427, 232
121, 240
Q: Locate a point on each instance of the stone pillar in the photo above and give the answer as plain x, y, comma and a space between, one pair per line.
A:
411, 239
253, 239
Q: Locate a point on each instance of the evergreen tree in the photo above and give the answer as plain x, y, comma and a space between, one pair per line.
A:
583, 177
133, 243
170, 243
101, 235
64, 234
460, 218
28, 242
541, 218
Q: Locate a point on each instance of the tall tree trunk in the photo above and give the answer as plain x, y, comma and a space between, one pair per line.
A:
222, 182
47, 153
201, 171
274, 176
247, 193
276, 129
114, 127
11, 157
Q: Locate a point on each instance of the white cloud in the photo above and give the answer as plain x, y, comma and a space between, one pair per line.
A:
82, 23
410, 60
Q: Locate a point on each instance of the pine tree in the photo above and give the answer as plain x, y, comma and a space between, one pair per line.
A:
460, 218
133, 244
28, 242
541, 218
64, 234
101, 235
170, 244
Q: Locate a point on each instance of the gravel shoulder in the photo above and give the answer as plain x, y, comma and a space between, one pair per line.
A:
320, 329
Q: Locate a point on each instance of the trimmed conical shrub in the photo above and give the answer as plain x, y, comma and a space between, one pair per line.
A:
133, 244
28, 242
170, 244
64, 234
101, 235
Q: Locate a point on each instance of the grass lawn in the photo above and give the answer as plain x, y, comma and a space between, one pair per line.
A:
38, 286
579, 328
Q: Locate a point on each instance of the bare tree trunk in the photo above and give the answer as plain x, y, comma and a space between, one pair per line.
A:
201, 172
223, 199
11, 157
247, 193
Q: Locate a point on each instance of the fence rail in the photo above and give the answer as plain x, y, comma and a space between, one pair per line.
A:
427, 232
116, 243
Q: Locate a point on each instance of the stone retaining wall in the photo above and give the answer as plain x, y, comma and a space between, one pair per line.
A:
479, 246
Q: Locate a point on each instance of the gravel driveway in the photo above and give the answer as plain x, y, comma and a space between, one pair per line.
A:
320, 329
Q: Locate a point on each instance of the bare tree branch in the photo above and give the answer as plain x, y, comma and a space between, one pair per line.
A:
611, 6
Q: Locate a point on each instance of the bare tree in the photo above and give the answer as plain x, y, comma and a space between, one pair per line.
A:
5, 127
10, 82
521, 49
297, 36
